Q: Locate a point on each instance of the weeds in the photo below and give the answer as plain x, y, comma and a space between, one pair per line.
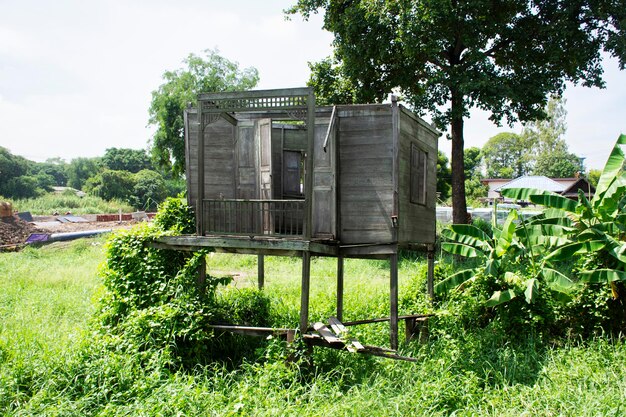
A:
53, 362
50, 203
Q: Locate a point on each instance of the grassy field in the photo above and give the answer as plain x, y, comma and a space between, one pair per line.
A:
51, 365
50, 203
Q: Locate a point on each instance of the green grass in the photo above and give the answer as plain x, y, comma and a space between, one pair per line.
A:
51, 363
62, 203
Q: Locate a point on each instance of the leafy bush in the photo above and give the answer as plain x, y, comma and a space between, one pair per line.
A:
544, 260
149, 190
24, 186
174, 214
590, 232
154, 301
110, 184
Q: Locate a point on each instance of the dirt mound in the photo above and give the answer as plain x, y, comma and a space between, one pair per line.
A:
14, 230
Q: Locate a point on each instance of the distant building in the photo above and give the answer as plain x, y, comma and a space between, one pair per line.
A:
567, 187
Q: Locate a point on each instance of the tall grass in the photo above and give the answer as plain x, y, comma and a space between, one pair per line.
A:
50, 203
52, 364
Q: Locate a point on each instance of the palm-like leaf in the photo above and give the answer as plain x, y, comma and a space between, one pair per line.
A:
506, 234
613, 166
467, 235
557, 281
454, 280
555, 201
532, 285
461, 249
568, 251
500, 297
602, 276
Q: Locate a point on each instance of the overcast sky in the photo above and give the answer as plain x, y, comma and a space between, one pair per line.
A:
76, 76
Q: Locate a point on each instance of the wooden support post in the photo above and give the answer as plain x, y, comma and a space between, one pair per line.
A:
394, 301
430, 282
409, 327
304, 291
261, 270
340, 288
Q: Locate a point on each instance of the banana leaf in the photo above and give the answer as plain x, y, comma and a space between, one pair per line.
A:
500, 297
555, 201
545, 198
532, 285
616, 249
557, 221
461, 249
610, 202
523, 193
454, 281
466, 239
492, 267
557, 281
470, 230
567, 251
552, 241
612, 168
602, 276
584, 208
506, 234
544, 230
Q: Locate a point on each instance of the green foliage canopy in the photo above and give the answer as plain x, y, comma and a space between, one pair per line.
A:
124, 159
443, 176
507, 155
81, 169
207, 73
110, 184
149, 190
448, 57
550, 152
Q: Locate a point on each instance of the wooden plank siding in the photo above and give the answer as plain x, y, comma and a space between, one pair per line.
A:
416, 222
246, 155
363, 169
191, 150
365, 174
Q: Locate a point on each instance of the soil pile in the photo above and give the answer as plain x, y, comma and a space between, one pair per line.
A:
14, 230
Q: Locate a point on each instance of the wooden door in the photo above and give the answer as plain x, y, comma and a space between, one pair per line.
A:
325, 181
264, 134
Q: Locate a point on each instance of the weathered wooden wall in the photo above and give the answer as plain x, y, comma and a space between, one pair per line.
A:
416, 222
365, 174
219, 157
353, 182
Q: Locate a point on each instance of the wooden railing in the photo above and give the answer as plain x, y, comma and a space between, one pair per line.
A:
253, 217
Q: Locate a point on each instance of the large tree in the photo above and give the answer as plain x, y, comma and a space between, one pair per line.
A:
508, 155
126, 159
448, 56
200, 74
79, 170
552, 157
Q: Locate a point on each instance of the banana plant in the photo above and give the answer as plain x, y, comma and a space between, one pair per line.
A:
596, 227
512, 244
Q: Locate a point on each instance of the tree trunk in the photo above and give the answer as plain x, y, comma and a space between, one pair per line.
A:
459, 206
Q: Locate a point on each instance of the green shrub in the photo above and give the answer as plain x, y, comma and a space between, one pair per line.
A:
154, 301
149, 190
109, 185
174, 214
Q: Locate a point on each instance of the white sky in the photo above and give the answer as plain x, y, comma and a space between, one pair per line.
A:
76, 76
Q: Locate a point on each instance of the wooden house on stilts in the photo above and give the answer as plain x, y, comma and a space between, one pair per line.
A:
269, 173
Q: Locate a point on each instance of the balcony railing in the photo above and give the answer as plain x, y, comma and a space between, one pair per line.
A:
253, 217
